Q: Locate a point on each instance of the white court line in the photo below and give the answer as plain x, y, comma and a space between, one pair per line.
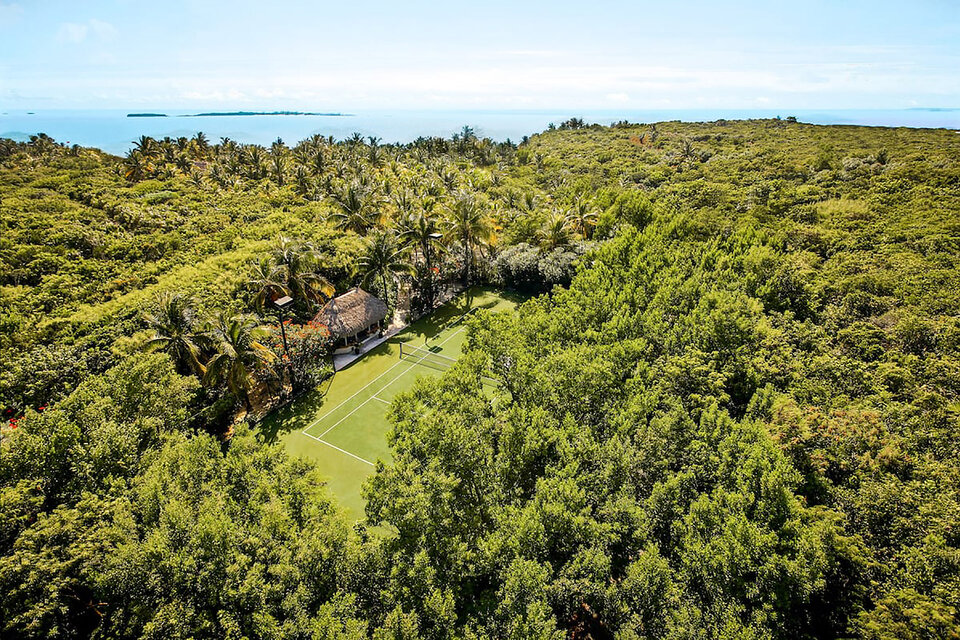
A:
380, 399
340, 450
359, 391
362, 404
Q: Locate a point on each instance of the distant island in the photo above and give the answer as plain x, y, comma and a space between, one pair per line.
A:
237, 113
264, 113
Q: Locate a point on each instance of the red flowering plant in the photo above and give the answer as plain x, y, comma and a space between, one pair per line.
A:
304, 361
11, 421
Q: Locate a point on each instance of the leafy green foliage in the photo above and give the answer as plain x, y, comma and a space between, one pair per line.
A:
734, 415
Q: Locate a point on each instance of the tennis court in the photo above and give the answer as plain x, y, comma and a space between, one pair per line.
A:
343, 426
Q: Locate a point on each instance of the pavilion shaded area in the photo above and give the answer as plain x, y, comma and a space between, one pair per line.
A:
352, 316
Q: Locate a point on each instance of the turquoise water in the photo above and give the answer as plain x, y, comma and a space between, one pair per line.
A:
112, 131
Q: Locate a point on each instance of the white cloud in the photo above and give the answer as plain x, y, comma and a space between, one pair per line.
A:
530, 53
77, 32
542, 85
214, 96
9, 13
527, 81
101, 29
72, 32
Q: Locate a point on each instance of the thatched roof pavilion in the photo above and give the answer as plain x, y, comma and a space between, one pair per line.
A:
352, 315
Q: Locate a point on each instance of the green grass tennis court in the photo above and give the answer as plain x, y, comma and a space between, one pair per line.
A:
343, 425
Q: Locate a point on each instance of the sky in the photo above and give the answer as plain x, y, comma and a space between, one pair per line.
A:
360, 54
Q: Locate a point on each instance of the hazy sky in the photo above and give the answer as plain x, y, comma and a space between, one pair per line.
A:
358, 54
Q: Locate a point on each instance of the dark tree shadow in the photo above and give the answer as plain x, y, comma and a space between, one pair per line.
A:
296, 415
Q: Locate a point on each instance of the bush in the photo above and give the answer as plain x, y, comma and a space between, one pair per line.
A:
308, 348
527, 268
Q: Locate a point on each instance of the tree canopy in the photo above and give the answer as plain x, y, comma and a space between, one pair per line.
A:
730, 411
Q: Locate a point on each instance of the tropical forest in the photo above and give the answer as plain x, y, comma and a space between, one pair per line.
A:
726, 404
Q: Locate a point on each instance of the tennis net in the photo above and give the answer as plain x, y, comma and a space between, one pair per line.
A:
419, 355
426, 357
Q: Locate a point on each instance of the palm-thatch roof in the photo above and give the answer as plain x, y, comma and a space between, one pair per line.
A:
350, 313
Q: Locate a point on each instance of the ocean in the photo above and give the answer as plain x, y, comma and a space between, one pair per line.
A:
114, 132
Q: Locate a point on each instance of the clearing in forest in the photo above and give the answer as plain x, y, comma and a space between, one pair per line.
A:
343, 425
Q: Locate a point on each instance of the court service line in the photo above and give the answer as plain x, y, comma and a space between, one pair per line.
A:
352, 455
361, 390
380, 399
362, 404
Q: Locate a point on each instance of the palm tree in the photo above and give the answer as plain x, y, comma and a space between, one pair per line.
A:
221, 177
176, 331
196, 179
268, 280
354, 204
383, 258
167, 149
583, 216
449, 177
256, 163
238, 354
470, 226
374, 156
201, 143
301, 154
136, 166
319, 162
300, 263
403, 201
421, 230
301, 181
228, 148
555, 231
183, 162
296, 271
147, 146
278, 168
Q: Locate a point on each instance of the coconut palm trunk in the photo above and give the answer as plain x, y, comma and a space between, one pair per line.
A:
383, 257
429, 263
383, 285
469, 224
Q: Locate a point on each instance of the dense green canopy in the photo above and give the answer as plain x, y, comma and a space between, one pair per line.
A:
735, 416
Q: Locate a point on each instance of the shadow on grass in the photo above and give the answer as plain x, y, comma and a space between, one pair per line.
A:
516, 297
296, 415
453, 311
